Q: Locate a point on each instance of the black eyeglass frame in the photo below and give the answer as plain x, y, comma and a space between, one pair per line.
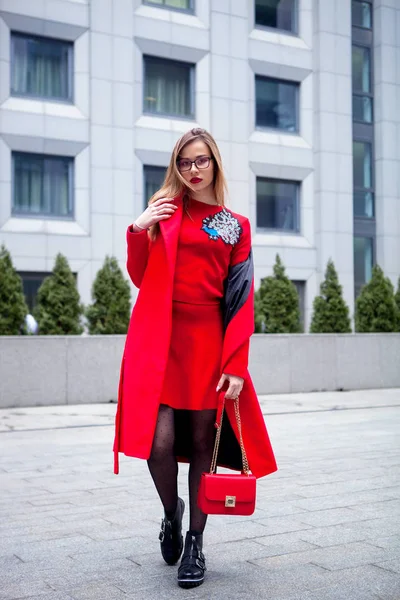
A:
194, 162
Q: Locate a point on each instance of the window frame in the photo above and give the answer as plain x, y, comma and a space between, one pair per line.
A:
353, 24
70, 67
192, 91
360, 189
357, 283
34, 276
71, 181
296, 85
146, 167
163, 6
295, 31
361, 93
280, 231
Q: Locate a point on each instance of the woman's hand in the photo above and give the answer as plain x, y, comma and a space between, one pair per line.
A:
234, 388
157, 211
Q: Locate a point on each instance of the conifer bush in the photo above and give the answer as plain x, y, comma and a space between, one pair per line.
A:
111, 294
376, 310
277, 308
397, 300
58, 310
13, 308
330, 311
259, 318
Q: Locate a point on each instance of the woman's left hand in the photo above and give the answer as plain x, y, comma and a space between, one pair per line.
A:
234, 388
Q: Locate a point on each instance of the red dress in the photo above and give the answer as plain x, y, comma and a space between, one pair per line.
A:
195, 352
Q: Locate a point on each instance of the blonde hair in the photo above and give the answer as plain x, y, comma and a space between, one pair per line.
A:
175, 185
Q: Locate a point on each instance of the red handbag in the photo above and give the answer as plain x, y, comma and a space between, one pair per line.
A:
228, 494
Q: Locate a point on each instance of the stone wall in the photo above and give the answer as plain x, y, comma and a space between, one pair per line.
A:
52, 370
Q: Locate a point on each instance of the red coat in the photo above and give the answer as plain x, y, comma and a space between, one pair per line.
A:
151, 268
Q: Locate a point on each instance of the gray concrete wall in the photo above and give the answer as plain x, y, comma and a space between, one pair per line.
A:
51, 370
309, 363
46, 370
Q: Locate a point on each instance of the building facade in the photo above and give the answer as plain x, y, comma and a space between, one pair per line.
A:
302, 97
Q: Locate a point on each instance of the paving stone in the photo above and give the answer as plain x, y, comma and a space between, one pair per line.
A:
331, 558
274, 525
334, 535
392, 542
367, 579
95, 591
22, 588
51, 596
242, 551
120, 548
58, 546
80, 574
390, 565
378, 528
333, 516
339, 500
383, 508
275, 509
342, 592
285, 543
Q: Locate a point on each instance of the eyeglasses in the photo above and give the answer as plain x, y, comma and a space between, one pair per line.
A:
202, 162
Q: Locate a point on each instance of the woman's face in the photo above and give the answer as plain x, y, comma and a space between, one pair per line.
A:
199, 175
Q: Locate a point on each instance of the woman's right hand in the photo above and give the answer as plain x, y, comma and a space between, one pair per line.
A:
160, 210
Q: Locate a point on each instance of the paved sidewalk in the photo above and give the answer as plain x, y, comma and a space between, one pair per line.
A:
327, 525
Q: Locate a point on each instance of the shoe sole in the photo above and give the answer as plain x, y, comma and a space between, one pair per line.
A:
184, 583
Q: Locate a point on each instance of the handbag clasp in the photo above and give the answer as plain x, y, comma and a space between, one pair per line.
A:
230, 501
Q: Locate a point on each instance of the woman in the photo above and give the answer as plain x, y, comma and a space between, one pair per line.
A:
188, 343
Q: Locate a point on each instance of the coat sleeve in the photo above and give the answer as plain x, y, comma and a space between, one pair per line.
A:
238, 307
138, 254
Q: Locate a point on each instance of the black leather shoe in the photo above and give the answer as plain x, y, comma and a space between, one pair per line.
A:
171, 540
193, 564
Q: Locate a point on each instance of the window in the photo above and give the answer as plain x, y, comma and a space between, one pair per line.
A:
153, 180
362, 14
362, 180
279, 14
42, 185
168, 87
277, 205
363, 261
362, 96
276, 104
31, 282
41, 67
186, 5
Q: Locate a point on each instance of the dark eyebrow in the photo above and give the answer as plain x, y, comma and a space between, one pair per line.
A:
198, 156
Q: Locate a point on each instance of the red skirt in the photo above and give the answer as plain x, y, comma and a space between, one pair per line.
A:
194, 360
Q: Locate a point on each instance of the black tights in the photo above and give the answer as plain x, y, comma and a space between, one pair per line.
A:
164, 467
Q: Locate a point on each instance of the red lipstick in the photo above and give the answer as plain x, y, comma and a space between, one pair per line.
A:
195, 180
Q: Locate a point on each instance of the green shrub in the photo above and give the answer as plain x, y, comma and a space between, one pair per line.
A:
397, 300
376, 310
111, 308
277, 305
13, 308
58, 310
259, 317
331, 313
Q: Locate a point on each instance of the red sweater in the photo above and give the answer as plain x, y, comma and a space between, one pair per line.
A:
203, 259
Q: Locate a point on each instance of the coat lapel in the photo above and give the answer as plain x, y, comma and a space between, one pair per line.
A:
170, 234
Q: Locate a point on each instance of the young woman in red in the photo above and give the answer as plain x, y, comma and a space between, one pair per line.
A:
188, 343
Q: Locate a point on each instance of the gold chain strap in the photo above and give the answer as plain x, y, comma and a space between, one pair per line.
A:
245, 463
